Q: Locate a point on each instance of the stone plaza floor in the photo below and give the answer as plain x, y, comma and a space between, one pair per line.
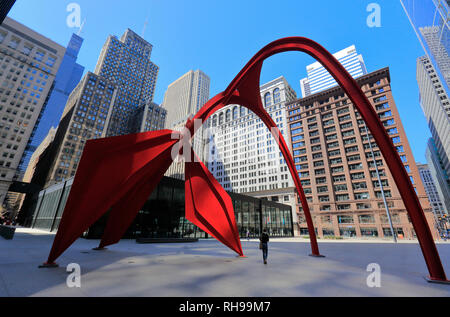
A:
209, 269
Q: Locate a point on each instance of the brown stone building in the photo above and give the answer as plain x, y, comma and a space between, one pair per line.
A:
336, 160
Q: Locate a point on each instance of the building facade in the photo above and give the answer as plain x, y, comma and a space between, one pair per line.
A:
182, 100
163, 215
126, 63
435, 104
433, 196
338, 163
320, 79
429, 19
115, 100
185, 96
29, 63
243, 156
66, 79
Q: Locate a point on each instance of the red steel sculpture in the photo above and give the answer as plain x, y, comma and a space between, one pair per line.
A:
118, 174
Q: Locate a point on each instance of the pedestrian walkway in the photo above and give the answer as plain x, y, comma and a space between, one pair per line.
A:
207, 268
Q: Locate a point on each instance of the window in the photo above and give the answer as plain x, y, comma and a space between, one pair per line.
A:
14, 42
235, 113
27, 49
2, 36
276, 96
39, 55
345, 219
360, 196
267, 99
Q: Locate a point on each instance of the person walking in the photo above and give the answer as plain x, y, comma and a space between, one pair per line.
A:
264, 239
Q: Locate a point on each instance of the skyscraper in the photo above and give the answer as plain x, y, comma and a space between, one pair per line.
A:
339, 162
437, 206
126, 63
182, 100
115, 100
185, 96
435, 104
244, 157
67, 77
29, 65
429, 19
320, 79
440, 177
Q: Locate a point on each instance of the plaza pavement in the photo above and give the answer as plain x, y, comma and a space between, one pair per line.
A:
207, 268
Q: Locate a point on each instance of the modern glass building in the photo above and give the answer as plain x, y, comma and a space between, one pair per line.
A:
162, 216
430, 21
320, 79
66, 79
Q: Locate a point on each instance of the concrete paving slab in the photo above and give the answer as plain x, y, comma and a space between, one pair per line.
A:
207, 268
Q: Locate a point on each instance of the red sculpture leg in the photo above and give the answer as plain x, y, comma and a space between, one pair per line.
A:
103, 178
209, 207
124, 212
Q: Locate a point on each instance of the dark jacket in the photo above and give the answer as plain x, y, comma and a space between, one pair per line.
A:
264, 238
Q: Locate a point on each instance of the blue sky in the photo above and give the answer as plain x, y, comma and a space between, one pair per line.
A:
220, 36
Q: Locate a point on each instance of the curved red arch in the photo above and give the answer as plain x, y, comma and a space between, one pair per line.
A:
244, 90
146, 157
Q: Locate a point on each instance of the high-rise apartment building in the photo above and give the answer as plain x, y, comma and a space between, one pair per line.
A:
320, 79
182, 100
243, 155
29, 63
337, 160
429, 18
433, 196
435, 104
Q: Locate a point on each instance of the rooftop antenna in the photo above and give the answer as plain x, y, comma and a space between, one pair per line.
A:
145, 27
81, 27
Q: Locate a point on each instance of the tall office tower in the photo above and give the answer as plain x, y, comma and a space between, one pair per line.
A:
66, 79
243, 155
86, 116
182, 100
29, 64
433, 196
126, 64
320, 79
440, 177
151, 117
115, 100
339, 162
429, 18
435, 104
185, 96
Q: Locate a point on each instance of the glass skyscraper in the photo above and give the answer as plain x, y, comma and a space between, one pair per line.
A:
66, 79
319, 78
429, 19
